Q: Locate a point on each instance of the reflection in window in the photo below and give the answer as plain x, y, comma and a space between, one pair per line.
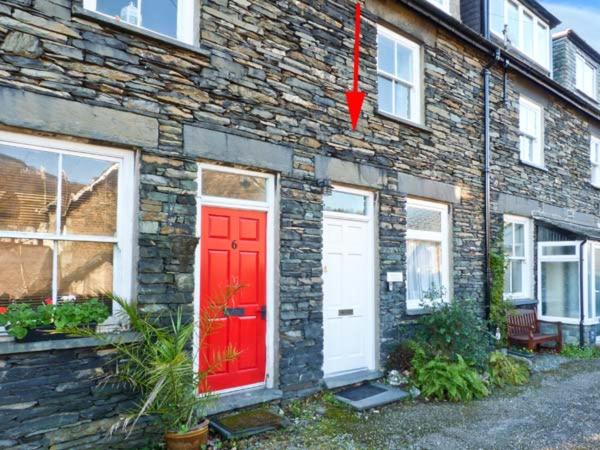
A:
345, 202
234, 185
85, 269
423, 219
424, 268
560, 289
25, 270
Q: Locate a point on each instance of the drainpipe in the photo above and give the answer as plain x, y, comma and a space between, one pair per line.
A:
581, 296
486, 174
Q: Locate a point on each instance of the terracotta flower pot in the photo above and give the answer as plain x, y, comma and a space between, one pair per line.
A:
192, 440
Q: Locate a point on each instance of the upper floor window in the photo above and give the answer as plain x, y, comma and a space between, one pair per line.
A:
531, 131
427, 248
442, 4
173, 18
65, 220
399, 80
528, 33
517, 249
595, 160
585, 76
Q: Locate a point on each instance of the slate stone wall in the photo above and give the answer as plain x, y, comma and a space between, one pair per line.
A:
564, 52
55, 400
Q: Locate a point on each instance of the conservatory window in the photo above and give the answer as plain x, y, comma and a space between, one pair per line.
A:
558, 284
173, 18
427, 251
517, 250
64, 231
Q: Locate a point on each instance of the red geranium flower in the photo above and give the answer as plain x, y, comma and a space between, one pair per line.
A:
3, 309
48, 301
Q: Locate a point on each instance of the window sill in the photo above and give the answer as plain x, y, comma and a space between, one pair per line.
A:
535, 166
595, 186
417, 311
409, 123
8, 348
79, 11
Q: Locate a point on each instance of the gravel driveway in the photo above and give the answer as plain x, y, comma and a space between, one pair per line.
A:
558, 409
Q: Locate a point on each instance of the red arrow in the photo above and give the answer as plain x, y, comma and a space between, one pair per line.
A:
355, 97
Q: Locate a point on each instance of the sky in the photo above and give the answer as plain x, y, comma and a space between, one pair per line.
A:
583, 16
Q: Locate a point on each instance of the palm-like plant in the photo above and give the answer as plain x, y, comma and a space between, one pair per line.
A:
159, 365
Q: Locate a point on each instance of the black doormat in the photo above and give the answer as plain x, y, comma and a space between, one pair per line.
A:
248, 423
356, 394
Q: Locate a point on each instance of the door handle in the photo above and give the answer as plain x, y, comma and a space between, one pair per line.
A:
263, 312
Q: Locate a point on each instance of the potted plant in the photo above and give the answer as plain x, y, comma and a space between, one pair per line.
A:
159, 367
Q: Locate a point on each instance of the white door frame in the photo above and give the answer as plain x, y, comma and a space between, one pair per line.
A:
269, 207
371, 313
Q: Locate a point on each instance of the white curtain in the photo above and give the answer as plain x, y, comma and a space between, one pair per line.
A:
424, 268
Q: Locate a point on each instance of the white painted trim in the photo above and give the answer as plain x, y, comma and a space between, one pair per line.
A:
443, 236
123, 249
444, 6
370, 335
528, 255
269, 207
557, 258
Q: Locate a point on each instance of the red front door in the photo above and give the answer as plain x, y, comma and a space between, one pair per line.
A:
233, 248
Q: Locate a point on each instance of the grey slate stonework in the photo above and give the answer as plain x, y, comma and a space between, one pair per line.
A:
272, 75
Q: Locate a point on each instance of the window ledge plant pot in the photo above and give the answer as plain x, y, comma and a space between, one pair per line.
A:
191, 440
45, 333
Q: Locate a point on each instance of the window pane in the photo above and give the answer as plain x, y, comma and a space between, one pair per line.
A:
424, 268
543, 44
519, 239
385, 95
89, 196
28, 189
508, 239
25, 270
528, 149
513, 24
160, 16
402, 101
234, 185
385, 54
85, 269
596, 295
113, 8
423, 219
561, 250
345, 202
560, 289
516, 268
528, 34
404, 63
596, 175
497, 16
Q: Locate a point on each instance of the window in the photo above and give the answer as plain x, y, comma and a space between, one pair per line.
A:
517, 249
585, 76
593, 281
398, 81
65, 222
558, 285
173, 18
444, 5
531, 130
427, 251
346, 202
510, 20
595, 160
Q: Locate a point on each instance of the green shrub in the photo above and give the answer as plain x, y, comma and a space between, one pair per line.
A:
499, 307
505, 370
72, 315
577, 352
452, 329
442, 379
19, 318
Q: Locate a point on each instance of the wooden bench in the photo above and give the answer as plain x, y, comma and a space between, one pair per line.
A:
524, 329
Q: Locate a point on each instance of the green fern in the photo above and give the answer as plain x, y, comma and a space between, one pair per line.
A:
505, 370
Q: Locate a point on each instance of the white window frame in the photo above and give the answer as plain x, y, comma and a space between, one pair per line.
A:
126, 215
186, 18
444, 5
442, 237
538, 141
527, 257
416, 95
558, 258
268, 206
589, 283
538, 55
582, 63
595, 160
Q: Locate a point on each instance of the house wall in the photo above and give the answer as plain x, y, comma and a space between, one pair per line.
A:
565, 51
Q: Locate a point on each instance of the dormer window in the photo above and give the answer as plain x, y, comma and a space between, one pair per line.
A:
512, 22
585, 76
444, 5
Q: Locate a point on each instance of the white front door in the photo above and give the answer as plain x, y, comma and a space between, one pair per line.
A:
348, 278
